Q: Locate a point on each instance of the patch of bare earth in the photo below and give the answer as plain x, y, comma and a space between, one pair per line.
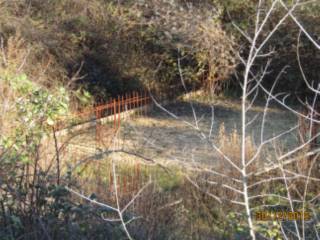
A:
162, 137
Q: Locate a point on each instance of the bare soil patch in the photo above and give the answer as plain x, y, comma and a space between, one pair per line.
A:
162, 137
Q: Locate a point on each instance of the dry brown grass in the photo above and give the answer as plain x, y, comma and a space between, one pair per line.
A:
11, 59
231, 144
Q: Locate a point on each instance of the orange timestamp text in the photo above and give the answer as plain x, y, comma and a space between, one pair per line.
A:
282, 216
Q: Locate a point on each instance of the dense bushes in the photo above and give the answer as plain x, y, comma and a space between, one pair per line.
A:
110, 47
120, 47
283, 44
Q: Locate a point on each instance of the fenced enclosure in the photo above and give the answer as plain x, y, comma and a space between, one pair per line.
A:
92, 134
86, 135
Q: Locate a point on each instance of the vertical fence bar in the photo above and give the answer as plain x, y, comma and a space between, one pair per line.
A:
114, 113
107, 108
126, 101
132, 99
95, 113
131, 179
119, 111
135, 99
139, 103
122, 105
110, 109
129, 101
145, 102
99, 124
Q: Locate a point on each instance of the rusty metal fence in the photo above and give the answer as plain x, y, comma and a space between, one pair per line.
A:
84, 133
112, 111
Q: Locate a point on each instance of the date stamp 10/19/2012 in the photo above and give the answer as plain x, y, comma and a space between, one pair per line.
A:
282, 216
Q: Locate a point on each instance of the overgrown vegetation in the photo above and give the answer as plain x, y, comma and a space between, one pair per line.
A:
60, 56
120, 46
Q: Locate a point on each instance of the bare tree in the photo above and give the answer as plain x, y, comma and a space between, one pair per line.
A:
119, 210
250, 175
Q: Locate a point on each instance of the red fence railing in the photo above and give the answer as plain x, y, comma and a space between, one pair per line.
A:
114, 109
